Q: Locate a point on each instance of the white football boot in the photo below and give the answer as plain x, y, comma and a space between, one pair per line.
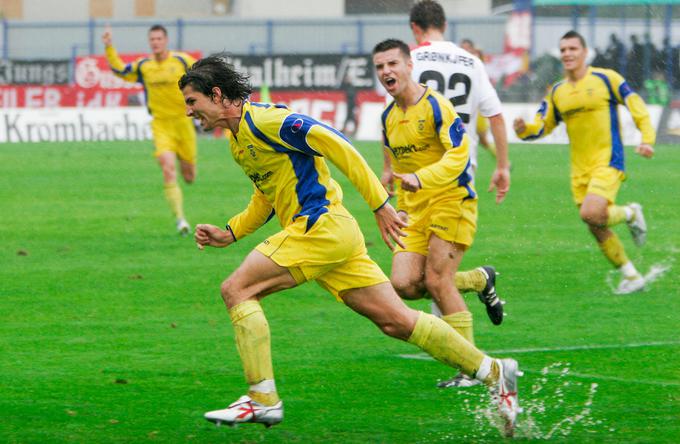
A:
630, 285
183, 227
247, 410
504, 394
637, 225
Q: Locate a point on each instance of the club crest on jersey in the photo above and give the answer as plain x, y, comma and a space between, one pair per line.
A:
297, 125
421, 125
251, 150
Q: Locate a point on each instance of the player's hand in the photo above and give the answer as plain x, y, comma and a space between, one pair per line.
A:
387, 180
403, 215
500, 181
107, 36
645, 150
519, 125
390, 225
409, 182
211, 235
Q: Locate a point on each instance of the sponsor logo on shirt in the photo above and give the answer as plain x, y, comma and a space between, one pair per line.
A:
401, 151
258, 178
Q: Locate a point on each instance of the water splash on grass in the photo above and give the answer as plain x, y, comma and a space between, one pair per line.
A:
552, 407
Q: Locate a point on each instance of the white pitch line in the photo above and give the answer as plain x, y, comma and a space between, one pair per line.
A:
610, 378
426, 357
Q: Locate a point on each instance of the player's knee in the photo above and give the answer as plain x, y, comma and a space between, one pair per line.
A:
593, 216
189, 178
230, 291
405, 288
434, 281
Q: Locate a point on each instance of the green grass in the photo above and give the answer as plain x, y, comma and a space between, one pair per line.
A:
112, 328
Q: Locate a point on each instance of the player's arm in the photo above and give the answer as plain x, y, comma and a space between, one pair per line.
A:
310, 137
256, 214
545, 120
121, 69
451, 166
186, 59
638, 110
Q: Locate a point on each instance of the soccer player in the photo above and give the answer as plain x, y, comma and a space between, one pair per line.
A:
586, 100
284, 154
428, 149
174, 135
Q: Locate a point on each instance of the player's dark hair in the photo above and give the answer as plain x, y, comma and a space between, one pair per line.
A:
216, 71
159, 28
428, 14
468, 41
388, 44
575, 35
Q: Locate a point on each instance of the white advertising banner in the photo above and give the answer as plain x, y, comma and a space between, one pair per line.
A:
73, 124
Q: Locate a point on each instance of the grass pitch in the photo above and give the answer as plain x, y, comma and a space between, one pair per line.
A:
112, 328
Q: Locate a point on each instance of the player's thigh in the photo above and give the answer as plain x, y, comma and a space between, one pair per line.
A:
408, 269
606, 182
164, 139
185, 145
257, 276
380, 304
454, 221
359, 271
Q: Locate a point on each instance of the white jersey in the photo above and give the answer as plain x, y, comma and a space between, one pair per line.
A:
461, 78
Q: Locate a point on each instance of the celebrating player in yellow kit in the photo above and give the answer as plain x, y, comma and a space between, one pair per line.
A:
284, 154
429, 154
174, 135
586, 100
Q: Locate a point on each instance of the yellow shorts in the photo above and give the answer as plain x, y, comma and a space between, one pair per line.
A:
450, 220
176, 135
604, 181
332, 253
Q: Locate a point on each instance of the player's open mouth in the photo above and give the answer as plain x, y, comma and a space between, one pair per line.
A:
389, 81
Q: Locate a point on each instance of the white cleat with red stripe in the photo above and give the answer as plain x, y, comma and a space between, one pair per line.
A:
246, 410
504, 394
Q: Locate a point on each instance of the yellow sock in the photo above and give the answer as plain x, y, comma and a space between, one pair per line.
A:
173, 194
613, 250
462, 323
473, 280
445, 344
615, 215
254, 346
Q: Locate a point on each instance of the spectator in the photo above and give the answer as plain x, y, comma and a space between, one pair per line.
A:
615, 54
635, 63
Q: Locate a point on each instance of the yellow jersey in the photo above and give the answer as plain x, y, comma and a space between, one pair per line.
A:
159, 79
589, 108
283, 153
429, 140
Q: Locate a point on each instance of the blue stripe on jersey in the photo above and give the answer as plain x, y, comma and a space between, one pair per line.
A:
295, 128
437, 112
617, 146
140, 79
625, 90
456, 132
181, 59
465, 179
126, 70
384, 123
558, 116
310, 193
260, 105
542, 110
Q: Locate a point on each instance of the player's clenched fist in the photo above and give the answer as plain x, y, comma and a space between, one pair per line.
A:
213, 236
